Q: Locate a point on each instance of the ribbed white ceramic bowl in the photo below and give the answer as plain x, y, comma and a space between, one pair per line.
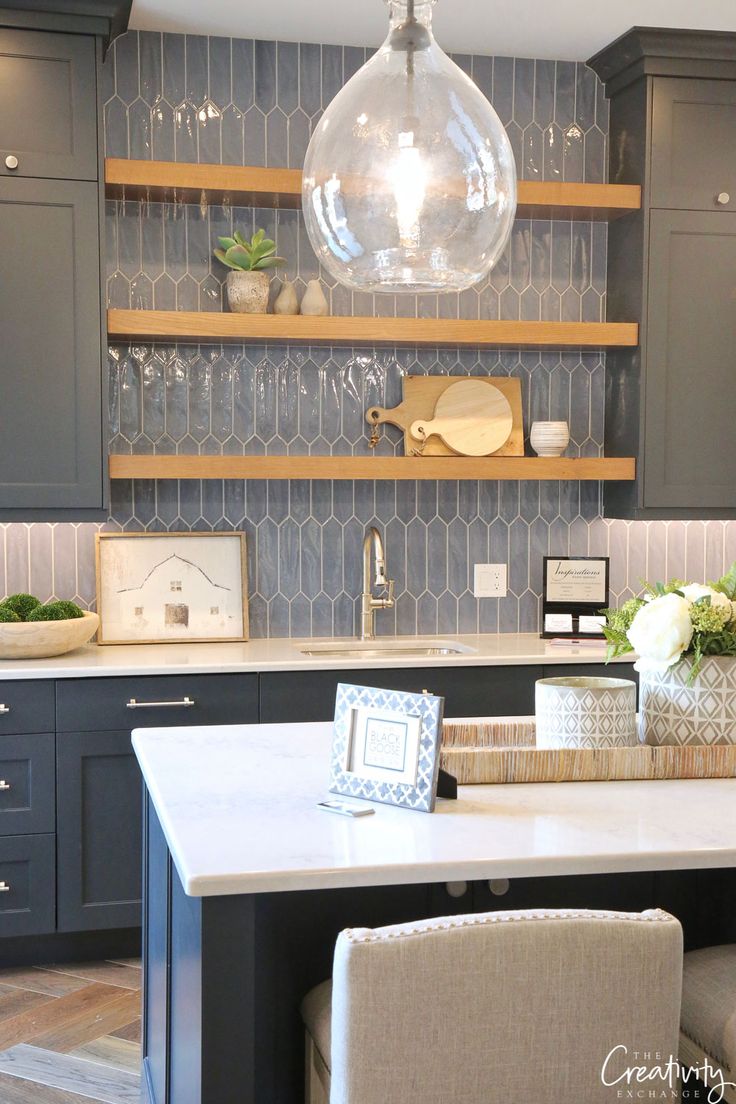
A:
549, 438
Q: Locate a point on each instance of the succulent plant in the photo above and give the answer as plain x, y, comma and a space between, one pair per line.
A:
52, 611
248, 256
7, 614
20, 604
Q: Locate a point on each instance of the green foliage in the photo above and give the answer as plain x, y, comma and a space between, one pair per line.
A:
242, 255
22, 604
727, 584
71, 609
52, 611
7, 614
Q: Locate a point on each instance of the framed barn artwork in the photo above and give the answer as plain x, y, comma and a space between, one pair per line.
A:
156, 588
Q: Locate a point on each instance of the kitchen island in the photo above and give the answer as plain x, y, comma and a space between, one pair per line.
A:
247, 883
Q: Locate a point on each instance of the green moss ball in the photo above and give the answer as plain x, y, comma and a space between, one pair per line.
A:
52, 611
22, 604
7, 614
71, 609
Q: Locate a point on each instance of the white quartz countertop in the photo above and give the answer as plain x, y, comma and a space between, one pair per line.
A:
502, 649
238, 806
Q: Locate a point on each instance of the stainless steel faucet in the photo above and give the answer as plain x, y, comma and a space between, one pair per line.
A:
373, 549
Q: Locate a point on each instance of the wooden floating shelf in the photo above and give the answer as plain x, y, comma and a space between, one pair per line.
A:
166, 181
215, 326
372, 467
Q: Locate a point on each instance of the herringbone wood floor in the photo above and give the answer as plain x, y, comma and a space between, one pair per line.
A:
70, 1034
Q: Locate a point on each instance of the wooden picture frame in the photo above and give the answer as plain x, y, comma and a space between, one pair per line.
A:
386, 746
186, 621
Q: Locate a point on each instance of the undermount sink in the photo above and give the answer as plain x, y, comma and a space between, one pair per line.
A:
379, 649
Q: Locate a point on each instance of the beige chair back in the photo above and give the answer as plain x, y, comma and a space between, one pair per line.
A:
503, 1008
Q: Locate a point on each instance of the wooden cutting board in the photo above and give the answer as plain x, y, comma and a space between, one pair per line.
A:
421, 395
470, 417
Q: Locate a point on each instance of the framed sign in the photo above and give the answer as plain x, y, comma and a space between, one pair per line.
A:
155, 588
575, 591
386, 746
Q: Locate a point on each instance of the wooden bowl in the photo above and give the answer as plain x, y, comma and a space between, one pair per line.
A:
43, 639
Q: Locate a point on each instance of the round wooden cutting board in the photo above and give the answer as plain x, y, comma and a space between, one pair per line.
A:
472, 417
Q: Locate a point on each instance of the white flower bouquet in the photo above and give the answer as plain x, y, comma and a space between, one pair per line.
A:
673, 620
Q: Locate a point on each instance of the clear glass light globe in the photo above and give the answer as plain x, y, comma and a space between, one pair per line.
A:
409, 180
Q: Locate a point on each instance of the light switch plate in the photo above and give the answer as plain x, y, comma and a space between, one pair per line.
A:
489, 581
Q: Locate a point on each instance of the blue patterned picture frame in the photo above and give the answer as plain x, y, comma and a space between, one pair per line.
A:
423, 712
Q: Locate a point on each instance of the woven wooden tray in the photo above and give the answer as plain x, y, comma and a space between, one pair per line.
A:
501, 749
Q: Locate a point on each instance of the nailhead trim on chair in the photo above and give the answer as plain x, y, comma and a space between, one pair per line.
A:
708, 1050
370, 935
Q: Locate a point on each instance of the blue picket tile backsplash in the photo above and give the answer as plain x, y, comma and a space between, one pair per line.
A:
186, 98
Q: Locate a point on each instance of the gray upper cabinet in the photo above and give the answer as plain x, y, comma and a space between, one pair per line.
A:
691, 360
694, 144
52, 415
51, 447
48, 93
672, 268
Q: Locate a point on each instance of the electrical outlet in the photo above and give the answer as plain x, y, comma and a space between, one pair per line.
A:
489, 581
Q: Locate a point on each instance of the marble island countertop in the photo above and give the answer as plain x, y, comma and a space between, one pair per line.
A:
238, 806
501, 649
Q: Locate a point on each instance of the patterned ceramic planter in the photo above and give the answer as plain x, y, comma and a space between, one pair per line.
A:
247, 292
671, 712
586, 713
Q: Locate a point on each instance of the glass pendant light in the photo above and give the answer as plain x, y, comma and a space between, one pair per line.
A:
409, 180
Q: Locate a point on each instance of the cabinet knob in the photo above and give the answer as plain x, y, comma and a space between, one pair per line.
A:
723, 198
4, 887
499, 887
4, 785
4, 708
456, 889
11, 161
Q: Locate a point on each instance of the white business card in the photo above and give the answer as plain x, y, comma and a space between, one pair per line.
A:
558, 622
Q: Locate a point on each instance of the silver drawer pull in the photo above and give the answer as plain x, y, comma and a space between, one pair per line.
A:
5, 785
4, 708
4, 887
186, 702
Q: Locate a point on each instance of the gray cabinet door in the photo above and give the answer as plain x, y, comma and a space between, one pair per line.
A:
48, 105
51, 453
694, 144
99, 814
691, 361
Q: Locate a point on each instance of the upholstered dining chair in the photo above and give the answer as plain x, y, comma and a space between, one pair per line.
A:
495, 1008
708, 1024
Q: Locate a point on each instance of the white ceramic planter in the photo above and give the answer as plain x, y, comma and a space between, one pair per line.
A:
671, 712
586, 713
247, 292
549, 438
42, 639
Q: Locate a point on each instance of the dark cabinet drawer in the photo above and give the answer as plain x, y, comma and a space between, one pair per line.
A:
27, 885
694, 145
86, 705
48, 91
468, 691
26, 707
27, 790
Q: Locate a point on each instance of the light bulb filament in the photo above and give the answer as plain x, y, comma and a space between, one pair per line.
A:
409, 188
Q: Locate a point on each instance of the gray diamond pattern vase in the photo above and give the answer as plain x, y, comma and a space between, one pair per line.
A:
671, 712
580, 712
